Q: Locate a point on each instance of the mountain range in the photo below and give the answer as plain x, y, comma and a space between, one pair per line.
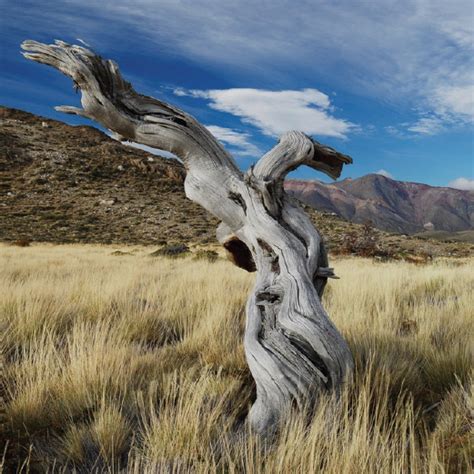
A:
390, 205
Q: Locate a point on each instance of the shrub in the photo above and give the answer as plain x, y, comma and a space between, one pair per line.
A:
175, 250
364, 243
209, 255
22, 243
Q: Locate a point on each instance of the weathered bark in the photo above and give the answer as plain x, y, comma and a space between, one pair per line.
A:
292, 347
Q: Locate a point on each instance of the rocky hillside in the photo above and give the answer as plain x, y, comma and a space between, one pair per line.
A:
394, 206
75, 184
62, 183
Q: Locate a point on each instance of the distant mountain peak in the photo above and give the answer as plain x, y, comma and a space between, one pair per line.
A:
391, 205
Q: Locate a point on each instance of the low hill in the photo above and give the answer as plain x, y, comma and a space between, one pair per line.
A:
75, 184
461, 236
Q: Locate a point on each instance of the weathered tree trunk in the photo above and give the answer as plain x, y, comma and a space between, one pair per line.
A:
292, 347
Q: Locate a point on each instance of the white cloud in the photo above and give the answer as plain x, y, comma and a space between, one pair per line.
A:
180, 92
413, 52
87, 45
275, 112
394, 131
465, 184
238, 140
456, 100
426, 126
385, 173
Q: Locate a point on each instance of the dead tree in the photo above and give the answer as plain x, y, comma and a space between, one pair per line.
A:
292, 347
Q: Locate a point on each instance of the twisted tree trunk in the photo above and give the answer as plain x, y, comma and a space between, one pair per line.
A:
292, 347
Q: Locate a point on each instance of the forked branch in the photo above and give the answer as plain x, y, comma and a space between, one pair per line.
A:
295, 149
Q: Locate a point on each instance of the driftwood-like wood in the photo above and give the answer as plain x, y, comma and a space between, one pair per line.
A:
292, 347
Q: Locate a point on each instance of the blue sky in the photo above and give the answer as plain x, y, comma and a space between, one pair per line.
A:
390, 83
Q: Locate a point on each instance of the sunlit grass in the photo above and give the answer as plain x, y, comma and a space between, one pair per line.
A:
134, 361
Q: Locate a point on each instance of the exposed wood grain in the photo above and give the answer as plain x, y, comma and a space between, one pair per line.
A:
292, 347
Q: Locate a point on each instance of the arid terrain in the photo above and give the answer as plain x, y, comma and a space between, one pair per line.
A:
115, 359
237, 237
64, 184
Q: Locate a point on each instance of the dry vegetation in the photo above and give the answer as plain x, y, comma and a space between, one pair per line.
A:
126, 360
76, 185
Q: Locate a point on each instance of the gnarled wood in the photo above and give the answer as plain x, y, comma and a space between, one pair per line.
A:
295, 149
292, 347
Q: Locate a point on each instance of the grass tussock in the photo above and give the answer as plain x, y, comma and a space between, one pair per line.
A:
128, 361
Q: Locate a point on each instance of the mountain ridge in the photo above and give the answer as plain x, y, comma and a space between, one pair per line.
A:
391, 205
65, 184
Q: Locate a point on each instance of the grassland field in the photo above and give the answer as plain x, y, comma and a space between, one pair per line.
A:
130, 363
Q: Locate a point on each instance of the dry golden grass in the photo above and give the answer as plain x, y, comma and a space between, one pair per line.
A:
133, 362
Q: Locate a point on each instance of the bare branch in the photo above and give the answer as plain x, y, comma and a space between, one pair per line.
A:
295, 149
110, 100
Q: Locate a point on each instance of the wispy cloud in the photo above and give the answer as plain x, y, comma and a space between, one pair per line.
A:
456, 100
275, 112
238, 141
385, 173
394, 131
426, 126
465, 184
411, 50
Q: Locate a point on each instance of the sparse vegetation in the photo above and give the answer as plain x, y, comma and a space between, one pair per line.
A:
112, 362
22, 243
173, 250
205, 254
363, 242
